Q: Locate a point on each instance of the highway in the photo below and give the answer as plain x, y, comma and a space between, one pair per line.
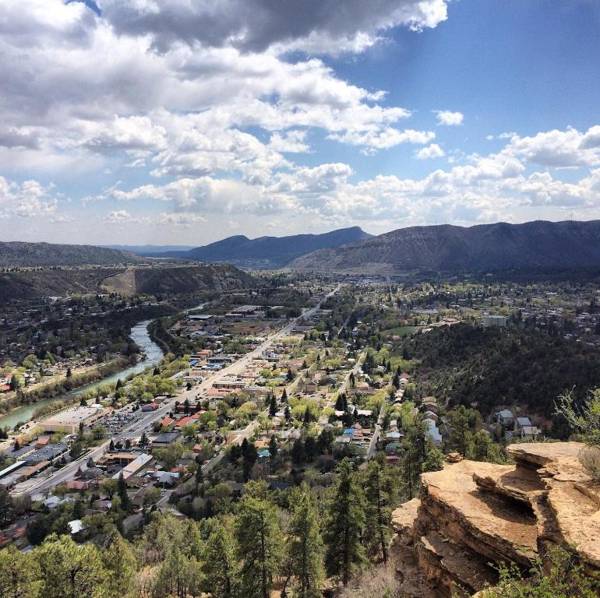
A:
43, 485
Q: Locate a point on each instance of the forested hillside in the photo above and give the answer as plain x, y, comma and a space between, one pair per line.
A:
19, 254
529, 247
492, 367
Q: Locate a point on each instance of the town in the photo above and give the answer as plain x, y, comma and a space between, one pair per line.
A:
279, 390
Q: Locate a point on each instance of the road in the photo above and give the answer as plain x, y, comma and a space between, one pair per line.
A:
361, 359
375, 438
37, 485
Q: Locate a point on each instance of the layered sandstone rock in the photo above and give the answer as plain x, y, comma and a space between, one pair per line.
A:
471, 517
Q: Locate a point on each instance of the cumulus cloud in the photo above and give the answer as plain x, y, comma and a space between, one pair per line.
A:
185, 110
204, 109
257, 25
481, 189
29, 199
448, 118
289, 142
206, 194
558, 149
430, 152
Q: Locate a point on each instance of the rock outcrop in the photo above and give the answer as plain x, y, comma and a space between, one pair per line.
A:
472, 517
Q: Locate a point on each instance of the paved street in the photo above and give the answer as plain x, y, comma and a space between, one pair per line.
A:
42, 485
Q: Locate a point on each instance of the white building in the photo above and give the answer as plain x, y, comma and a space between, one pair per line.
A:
69, 420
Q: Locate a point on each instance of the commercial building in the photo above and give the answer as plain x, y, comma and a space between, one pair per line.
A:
69, 420
134, 467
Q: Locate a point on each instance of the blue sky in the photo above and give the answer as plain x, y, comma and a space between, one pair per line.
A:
186, 121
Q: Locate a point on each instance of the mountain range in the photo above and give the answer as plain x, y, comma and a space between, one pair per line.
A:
149, 250
266, 252
532, 246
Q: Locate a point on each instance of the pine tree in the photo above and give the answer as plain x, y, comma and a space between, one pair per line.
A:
6, 507
199, 478
341, 402
220, 566
18, 572
119, 561
249, 458
272, 405
178, 576
259, 545
307, 416
379, 499
69, 570
284, 396
305, 545
345, 525
298, 455
122, 493
273, 448
411, 466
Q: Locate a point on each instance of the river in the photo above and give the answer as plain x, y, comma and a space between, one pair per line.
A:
140, 336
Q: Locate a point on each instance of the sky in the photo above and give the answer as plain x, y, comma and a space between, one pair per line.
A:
187, 121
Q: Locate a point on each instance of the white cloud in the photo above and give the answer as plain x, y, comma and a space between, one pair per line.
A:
29, 199
448, 118
430, 152
202, 108
289, 142
206, 195
376, 139
102, 92
485, 188
558, 149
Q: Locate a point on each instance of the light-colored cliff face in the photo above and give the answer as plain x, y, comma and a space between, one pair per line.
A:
473, 516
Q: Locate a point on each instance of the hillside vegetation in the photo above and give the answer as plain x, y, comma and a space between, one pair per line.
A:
158, 280
176, 280
533, 246
269, 252
51, 282
20, 254
493, 367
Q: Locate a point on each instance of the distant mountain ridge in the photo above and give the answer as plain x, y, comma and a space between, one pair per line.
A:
267, 252
22, 254
537, 245
149, 250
